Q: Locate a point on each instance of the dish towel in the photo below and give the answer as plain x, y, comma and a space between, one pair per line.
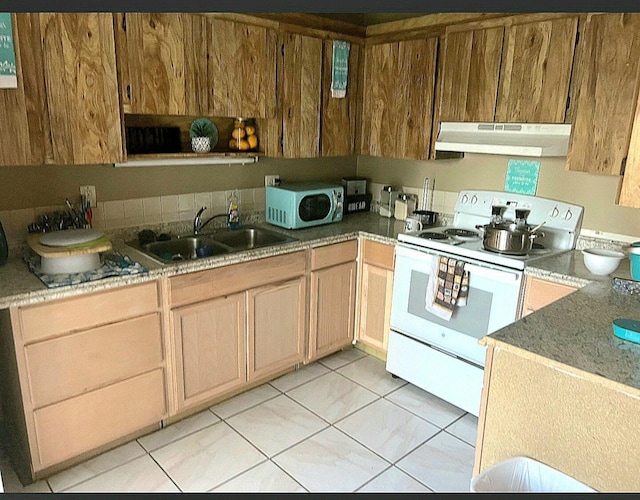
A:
448, 287
339, 68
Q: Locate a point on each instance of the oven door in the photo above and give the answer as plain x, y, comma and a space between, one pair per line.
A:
492, 302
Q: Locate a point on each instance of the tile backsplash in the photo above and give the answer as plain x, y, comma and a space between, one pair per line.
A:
110, 215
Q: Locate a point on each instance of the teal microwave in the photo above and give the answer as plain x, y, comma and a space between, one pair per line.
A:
298, 205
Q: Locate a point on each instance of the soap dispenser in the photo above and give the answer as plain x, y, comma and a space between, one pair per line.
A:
233, 216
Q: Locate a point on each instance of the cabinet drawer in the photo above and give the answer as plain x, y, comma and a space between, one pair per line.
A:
71, 365
332, 255
86, 311
80, 424
203, 285
378, 254
541, 293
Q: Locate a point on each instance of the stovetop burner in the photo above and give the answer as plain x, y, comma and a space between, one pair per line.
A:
461, 233
430, 235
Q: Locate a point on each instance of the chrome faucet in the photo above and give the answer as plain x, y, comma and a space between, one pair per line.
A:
197, 220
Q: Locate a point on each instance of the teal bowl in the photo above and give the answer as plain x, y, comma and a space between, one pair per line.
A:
627, 329
634, 260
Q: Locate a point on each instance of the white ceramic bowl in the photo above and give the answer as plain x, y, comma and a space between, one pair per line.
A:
600, 261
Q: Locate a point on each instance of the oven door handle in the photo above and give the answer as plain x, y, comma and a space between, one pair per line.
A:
492, 274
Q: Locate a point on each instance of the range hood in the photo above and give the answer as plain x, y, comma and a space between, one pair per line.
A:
516, 139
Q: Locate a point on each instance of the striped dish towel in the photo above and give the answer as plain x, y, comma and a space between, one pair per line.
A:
448, 287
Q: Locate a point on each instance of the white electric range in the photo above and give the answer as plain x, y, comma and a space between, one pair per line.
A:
443, 356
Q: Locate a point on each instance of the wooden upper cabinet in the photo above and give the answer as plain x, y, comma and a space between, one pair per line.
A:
606, 93
338, 114
241, 69
299, 78
24, 128
536, 70
398, 98
82, 87
469, 74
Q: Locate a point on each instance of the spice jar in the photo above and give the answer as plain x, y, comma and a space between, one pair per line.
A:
243, 135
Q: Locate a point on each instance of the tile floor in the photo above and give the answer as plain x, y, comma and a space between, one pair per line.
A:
342, 424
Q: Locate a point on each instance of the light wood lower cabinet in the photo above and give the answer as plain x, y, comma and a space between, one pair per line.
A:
376, 285
79, 374
540, 293
332, 298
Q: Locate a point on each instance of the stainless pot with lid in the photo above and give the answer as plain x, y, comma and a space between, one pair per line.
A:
508, 237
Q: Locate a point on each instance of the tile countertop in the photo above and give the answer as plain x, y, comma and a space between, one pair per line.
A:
18, 286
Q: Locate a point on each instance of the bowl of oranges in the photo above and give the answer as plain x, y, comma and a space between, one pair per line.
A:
243, 136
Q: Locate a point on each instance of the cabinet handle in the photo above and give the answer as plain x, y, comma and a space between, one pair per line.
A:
128, 91
124, 22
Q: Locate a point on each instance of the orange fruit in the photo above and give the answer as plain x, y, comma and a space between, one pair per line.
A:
238, 133
243, 145
233, 144
250, 129
238, 123
253, 141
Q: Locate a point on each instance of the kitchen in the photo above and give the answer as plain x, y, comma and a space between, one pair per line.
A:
122, 191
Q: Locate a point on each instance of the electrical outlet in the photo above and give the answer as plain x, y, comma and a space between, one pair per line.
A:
89, 193
271, 180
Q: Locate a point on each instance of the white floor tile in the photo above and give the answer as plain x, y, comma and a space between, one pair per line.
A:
332, 396
276, 424
264, 478
245, 400
371, 373
425, 405
92, 467
139, 476
11, 483
178, 430
390, 431
330, 462
465, 428
299, 377
444, 464
341, 358
394, 480
207, 458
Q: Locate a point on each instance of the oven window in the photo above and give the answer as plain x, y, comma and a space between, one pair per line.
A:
472, 319
314, 207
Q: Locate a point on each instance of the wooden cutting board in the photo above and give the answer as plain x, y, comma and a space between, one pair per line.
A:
102, 244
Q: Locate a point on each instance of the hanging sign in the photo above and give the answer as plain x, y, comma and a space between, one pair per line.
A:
340, 68
522, 177
8, 79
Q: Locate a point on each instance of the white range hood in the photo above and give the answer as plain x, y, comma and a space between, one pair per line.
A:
516, 139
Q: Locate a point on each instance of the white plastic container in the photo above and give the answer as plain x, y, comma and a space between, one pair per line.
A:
523, 474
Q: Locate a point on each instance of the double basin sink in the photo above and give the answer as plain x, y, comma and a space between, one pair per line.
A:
218, 242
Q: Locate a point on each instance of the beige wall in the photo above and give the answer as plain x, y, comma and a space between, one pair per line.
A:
596, 193
28, 187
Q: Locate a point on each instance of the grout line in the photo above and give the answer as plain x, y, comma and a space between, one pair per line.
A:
165, 473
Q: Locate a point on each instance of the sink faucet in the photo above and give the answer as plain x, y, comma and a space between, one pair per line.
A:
197, 220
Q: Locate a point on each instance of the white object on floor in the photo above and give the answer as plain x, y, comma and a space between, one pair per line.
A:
523, 474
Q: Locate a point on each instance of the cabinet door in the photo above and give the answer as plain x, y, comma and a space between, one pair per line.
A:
299, 95
153, 50
339, 114
606, 95
24, 127
376, 285
241, 69
276, 327
540, 293
536, 69
332, 309
398, 100
210, 348
82, 87
469, 72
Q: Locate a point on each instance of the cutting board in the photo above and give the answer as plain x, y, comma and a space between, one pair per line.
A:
101, 244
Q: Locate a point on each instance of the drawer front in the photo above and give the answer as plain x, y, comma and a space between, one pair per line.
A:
77, 425
71, 365
332, 255
541, 293
86, 311
196, 287
378, 254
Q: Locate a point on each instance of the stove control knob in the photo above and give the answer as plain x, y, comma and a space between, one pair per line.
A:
464, 198
567, 215
555, 212
474, 199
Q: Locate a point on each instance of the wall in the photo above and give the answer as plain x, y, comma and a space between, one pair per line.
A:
596, 193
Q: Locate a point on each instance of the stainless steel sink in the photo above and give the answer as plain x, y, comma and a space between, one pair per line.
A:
218, 242
249, 237
186, 248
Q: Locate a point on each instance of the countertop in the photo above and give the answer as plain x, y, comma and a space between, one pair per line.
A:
574, 331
